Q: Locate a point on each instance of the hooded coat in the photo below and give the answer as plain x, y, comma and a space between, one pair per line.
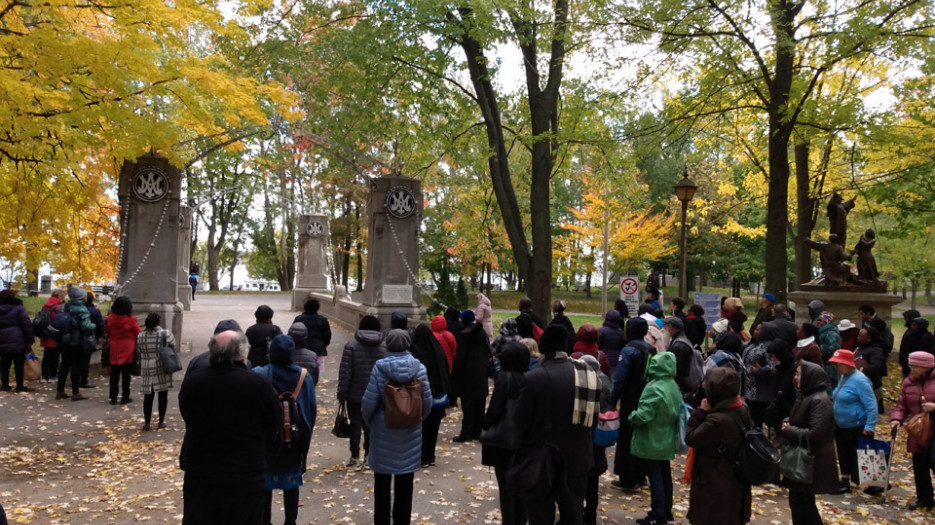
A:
122, 331
16, 335
758, 367
260, 335
395, 450
426, 349
446, 339
586, 344
509, 331
483, 315
360, 354
284, 376
718, 496
53, 305
319, 332
630, 374
610, 338
656, 416
915, 340
514, 361
812, 421
303, 356
470, 369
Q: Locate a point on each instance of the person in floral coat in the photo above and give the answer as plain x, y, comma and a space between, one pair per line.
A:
153, 378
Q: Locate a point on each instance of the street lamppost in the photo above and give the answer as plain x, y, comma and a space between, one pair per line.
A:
684, 190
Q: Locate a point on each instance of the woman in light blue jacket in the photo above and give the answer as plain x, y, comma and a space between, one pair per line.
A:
394, 452
855, 413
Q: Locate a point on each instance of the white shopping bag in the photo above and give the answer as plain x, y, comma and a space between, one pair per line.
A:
871, 461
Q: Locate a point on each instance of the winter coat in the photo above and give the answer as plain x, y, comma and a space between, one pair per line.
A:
509, 331
153, 378
915, 340
81, 323
630, 375
587, 345
231, 415
505, 388
525, 320
319, 332
426, 349
758, 382
445, 338
259, 337
810, 352
16, 335
695, 328
829, 340
547, 400
470, 370
871, 360
909, 403
99, 325
684, 352
656, 417
718, 496
395, 450
562, 320
54, 304
812, 422
122, 331
783, 386
610, 338
360, 354
483, 313
854, 402
303, 356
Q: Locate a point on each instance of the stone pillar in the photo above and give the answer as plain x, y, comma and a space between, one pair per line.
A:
395, 208
149, 193
185, 240
312, 267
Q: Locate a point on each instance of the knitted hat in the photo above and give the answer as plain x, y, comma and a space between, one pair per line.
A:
827, 317
922, 358
398, 319
845, 357
397, 340
77, 292
227, 324
467, 317
263, 312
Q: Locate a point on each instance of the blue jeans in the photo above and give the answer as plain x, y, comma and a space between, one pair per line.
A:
660, 487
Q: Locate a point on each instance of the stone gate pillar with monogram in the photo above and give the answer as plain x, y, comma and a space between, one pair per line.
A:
185, 242
311, 273
147, 270
391, 281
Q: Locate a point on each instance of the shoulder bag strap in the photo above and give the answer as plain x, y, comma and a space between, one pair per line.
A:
298, 387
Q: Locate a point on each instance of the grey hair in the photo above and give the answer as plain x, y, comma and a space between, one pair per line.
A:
235, 350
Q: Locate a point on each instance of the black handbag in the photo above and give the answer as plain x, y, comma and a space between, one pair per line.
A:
504, 434
536, 472
342, 424
136, 368
167, 356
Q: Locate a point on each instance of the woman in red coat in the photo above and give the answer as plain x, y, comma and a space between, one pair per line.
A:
122, 329
918, 395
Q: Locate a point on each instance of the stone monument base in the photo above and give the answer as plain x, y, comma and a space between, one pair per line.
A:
171, 314
300, 295
843, 304
185, 296
416, 314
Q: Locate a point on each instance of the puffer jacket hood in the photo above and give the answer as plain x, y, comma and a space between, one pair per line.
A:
439, 324
482, 299
922, 322
587, 334
662, 366
299, 333
813, 378
637, 328
612, 318
281, 350
369, 337
399, 367
509, 328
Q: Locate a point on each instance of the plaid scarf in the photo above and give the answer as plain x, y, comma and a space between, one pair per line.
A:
587, 395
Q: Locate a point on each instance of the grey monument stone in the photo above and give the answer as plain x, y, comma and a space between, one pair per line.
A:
148, 273
312, 266
185, 240
395, 208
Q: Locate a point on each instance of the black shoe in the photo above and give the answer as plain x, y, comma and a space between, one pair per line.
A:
844, 487
650, 520
161, 425
462, 439
125, 400
875, 491
88, 385
5, 388
22, 389
918, 505
113, 401
147, 428
78, 397
620, 486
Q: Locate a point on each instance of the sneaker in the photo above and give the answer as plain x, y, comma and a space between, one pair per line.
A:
620, 486
425, 464
147, 428
22, 389
78, 397
351, 463
88, 385
367, 462
875, 491
125, 400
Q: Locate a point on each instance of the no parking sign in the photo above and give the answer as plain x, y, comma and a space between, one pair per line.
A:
630, 292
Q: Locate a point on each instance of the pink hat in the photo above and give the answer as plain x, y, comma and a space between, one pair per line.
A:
922, 358
845, 357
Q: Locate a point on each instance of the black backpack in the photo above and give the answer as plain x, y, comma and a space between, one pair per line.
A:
40, 323
757, 461
61, 326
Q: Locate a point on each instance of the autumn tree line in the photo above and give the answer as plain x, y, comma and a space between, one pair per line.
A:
538, 130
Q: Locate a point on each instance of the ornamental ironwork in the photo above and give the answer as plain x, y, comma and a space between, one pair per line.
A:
315, 229
150, 184
400, 202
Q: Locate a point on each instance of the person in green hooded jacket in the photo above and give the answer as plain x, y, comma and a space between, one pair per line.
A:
654, 426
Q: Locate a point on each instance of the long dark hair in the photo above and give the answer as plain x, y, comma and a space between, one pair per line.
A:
122, 306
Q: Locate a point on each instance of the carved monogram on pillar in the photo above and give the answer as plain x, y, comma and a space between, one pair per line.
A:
400, 202
315, 229
150, 184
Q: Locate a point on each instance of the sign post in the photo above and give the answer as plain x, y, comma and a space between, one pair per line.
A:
630, 292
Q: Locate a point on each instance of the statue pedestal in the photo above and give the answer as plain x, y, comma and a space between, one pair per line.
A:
843, 304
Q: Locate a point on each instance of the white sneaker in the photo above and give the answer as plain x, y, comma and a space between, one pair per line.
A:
367, 462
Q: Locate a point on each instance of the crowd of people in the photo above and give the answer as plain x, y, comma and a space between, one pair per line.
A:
250, 403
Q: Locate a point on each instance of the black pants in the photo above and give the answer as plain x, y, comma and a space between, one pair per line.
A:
118, 372
512, 508
846, 441
50, 362
290, 503
357, 427
148, 406
626, 466
207, 502
402, 498
570, 504
921, 470
17, 360
804, 510
591, 500
85, 367
430, 433
758, 412
473, 412
71, 365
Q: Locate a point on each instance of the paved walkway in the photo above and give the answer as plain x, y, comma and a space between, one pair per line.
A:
88, 462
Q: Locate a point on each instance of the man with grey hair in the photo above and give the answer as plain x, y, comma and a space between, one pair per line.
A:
231, 416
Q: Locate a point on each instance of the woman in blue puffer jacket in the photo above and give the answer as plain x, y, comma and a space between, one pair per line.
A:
394, 452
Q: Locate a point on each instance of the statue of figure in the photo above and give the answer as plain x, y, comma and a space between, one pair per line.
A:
866, 263
837, 211
833, 261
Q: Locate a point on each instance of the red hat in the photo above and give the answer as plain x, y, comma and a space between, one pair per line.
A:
845, 357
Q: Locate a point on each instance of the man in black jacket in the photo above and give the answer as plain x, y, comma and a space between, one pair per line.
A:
319, 331
470, 375
231, 416
546, 416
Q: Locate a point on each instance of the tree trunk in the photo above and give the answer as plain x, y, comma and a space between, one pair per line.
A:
804, 210
360, 250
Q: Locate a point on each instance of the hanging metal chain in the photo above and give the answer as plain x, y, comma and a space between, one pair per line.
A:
402, 255
123, 240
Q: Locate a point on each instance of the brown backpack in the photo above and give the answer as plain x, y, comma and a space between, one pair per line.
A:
402, 404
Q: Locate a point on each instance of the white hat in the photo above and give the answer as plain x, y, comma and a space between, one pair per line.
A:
846, 325
720, 326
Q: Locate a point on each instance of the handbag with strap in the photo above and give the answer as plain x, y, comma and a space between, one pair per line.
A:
167, 355
504, 433
342, 424
919, 427
797, 463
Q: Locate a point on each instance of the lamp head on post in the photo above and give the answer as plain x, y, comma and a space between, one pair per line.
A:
685, 188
